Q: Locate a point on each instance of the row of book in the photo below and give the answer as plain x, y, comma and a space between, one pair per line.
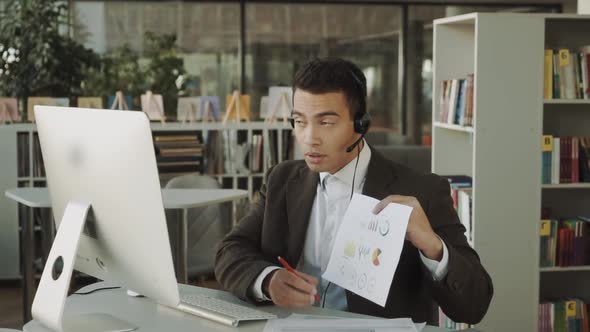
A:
456, 102
447, 323
178, 153
567, 73
571, 315
565, 242
222, 152
24, 154
463, 202
212, 152
565, 159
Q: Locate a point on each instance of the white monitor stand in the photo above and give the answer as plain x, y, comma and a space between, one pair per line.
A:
49, 303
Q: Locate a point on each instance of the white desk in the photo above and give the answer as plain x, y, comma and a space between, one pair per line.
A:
182, 199
151, 317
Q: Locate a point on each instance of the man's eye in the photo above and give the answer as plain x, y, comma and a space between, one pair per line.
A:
327, 123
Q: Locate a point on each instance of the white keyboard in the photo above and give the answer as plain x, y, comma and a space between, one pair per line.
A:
219, 310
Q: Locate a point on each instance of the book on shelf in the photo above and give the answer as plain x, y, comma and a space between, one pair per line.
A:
456, 103
38, 164
178, 153
565, 159
256, 158
564, 242
176, 138
567, 73
447, 323
461, 192
463, 201
566, 315
23, 141
459, 181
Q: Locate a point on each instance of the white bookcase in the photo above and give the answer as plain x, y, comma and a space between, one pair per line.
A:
20, 166
502, 151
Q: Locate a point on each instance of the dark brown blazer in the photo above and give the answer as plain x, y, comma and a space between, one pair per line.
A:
277, 222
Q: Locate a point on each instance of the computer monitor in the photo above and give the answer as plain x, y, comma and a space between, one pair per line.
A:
105, 191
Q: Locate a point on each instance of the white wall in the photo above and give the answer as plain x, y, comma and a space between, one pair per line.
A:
583, 6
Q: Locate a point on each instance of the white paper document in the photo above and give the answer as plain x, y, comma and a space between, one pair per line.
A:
299, 323
367, 248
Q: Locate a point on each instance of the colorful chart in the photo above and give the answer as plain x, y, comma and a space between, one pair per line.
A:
376, 254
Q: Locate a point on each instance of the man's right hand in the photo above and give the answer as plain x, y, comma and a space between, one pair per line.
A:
286, 289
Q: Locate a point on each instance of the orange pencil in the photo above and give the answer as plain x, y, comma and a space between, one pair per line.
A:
292, 270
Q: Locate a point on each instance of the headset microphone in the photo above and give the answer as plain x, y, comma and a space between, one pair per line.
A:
350, 148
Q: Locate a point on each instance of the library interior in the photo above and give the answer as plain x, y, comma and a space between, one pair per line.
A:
277, 165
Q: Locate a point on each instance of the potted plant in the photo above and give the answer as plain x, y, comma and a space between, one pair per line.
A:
41, 59
164, 69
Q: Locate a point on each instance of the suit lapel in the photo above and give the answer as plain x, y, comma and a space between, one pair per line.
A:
301, 192
380, 177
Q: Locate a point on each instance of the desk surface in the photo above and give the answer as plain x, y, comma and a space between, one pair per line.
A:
150, 316
172, 198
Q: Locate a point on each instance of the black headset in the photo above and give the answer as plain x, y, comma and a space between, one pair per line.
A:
362, 118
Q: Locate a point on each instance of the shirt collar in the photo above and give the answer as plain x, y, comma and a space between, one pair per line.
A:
346, 173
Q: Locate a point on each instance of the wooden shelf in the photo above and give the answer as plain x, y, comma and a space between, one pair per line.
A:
453, 127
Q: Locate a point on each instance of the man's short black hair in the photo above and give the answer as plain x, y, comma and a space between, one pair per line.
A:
324, 75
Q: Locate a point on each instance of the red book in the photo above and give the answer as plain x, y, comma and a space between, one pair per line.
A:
568, 162
577, 158
565, 164
561, 247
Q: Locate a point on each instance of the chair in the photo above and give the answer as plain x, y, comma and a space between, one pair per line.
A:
206, 225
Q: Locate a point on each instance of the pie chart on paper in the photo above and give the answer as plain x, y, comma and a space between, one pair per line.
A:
376, 254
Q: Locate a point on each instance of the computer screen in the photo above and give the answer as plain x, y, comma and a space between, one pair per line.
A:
106, 158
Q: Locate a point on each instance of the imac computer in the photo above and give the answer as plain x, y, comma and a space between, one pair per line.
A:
107, 203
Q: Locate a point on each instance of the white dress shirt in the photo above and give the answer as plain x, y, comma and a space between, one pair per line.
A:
332, 198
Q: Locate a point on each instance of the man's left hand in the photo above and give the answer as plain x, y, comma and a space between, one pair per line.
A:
419, 231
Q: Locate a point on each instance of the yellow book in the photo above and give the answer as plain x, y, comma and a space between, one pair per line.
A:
547, 144
548, 80
545, 228
570, 309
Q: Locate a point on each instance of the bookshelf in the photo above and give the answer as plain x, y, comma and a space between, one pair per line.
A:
501, 152
566, 117
453, 127
506, 128
21, 165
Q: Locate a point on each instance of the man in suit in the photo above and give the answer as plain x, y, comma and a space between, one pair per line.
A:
301, 206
